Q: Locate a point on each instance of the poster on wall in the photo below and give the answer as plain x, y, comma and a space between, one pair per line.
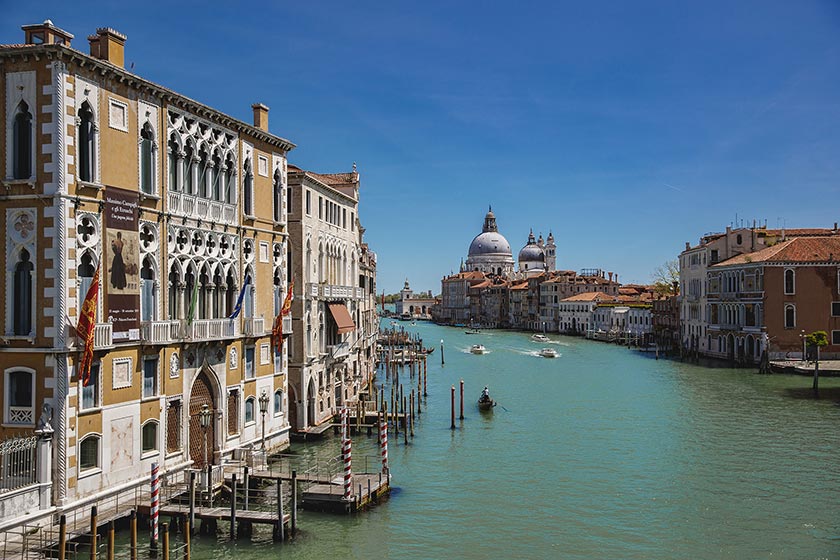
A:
122, 271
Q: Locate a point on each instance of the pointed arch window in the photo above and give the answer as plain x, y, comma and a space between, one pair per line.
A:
203, 171
22, 142
147, 167
22, 293
87, 143
218, 294
84, 272
278, 196
213, 174
172, 153
247, 186
230, 191
230, 293
174, 287
148, 291
189, 170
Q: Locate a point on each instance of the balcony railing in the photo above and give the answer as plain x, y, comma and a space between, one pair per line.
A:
338, 351
287, 325
183, 204
211, 329
253, 326
334, 291
103, 336
160, 332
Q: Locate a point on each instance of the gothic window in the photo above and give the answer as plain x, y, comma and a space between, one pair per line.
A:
174, 283
278, 196
203, 288
278, 291
247, 186
84, 272
229, 186
230, 294
20, 398
233, 412
173, 150
173, 426
22, 294
218, 294
87, 143
148, 293
278, 402
147, 181
189, 170
203, 173
248, 298
790, 282
249, 362
213, 175
89, 452
22, 143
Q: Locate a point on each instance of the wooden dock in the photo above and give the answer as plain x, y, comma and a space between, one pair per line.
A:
368, 489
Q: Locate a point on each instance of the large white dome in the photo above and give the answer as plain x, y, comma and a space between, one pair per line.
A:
489, 243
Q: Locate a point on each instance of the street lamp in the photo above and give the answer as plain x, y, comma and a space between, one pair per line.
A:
263, 410
802, 336
204, 419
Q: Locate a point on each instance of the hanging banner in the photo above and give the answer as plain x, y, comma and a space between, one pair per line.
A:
122, 269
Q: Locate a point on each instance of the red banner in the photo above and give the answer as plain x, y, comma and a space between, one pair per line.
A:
86, 326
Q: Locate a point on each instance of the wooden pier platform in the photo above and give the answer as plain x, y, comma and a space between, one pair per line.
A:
368, 489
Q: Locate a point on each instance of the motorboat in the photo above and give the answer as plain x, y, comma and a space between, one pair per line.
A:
548, 353
539, 337
478, 349
472, 331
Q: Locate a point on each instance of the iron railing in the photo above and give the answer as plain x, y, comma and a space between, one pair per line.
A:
18, 462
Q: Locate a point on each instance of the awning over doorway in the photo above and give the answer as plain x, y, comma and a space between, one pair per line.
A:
342, 318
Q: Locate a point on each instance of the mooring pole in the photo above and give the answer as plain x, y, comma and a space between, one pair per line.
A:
452, 408
192, 499
462, 399
153, 510
294, 503
110, 540
246, 484
233, 507
62, 537
442, 362
280, 528
165, 527
187, 543
132, 524
93, 525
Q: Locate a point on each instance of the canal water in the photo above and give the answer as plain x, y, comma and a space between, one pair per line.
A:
603, 452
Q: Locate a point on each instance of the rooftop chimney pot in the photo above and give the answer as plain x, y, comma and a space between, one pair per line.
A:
260, 116
108, 44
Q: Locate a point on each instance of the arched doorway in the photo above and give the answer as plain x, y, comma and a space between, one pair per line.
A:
202, 393
751, 348
310, 403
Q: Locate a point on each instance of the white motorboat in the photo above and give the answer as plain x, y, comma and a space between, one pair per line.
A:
548, 353
478, 349
539, 338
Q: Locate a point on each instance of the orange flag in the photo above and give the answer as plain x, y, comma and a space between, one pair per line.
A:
86, 326
277, 328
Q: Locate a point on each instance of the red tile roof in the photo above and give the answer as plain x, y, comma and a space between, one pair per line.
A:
796, 250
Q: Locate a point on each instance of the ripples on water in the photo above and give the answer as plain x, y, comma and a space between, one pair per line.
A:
600, 453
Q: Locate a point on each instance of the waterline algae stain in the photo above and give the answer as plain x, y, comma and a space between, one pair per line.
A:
600, 453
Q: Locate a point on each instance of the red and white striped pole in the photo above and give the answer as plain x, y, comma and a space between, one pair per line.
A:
155, 504
346, 454
383, 442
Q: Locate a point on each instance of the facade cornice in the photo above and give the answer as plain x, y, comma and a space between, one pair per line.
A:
313, 181
106, 69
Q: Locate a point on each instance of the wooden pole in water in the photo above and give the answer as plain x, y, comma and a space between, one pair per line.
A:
192, 499
233, 507
93, 526
462, 399
452, 409
246, 484
187, 544
425, 378
280, 528
405, 427
165, 527
110, 540
132, 524
442, 362
294, 503
62, 537
411, 416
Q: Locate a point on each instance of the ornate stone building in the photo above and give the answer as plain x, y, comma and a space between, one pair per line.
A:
182, 209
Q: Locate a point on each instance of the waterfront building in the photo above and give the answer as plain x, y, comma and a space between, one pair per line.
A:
769, 299
180, 211
489, 251
563, 284
665, 322
574, 313
695, 261
417, 306
333, 317
517, 304
455, 297
493, 303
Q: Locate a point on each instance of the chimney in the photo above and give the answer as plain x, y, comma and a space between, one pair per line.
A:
109, 45
610, 274
616, 277
260, 116
687, 245
46, 34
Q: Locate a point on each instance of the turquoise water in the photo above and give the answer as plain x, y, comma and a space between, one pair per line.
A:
600, 453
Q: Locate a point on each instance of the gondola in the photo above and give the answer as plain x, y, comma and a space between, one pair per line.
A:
486, 403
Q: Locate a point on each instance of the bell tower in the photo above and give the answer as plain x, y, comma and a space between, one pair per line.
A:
550, 253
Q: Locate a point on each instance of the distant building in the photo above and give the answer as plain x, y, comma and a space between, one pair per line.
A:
417, 306
489, 251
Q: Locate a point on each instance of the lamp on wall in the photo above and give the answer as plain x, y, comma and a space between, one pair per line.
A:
263, 409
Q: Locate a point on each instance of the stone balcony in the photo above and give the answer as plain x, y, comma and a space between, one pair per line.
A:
160, 332
335, 292
191, 206
253, 326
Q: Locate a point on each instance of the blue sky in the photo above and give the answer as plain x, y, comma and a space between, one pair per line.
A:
626, 128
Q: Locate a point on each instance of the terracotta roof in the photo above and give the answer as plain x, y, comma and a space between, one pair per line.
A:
589, 296
522, 286
484, 284
798, 249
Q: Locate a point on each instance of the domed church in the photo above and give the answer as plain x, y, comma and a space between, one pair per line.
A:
532, 256
490, 252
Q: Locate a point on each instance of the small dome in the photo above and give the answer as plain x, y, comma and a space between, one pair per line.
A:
532, 255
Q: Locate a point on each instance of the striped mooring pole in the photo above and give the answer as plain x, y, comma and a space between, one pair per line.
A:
155, 505
383, 442
346, 453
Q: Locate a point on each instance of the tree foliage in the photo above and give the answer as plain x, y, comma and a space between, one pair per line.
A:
817, 338
666, 278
